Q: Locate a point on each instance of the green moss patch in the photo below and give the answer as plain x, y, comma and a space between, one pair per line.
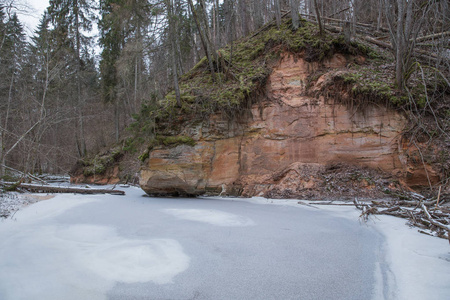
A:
174, 141
99, 163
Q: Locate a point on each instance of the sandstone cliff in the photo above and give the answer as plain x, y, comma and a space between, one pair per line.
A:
292, 115
287, 143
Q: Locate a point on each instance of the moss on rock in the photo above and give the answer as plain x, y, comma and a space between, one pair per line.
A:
99, 163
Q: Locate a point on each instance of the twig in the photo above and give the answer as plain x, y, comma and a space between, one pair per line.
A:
424, 166
439, 196
434, 222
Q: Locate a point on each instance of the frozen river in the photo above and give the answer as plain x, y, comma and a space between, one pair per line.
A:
136, 247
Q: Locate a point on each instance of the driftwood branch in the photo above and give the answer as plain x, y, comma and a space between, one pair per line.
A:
434, 222
426, 214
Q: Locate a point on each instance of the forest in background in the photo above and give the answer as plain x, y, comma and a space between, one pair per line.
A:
59, 101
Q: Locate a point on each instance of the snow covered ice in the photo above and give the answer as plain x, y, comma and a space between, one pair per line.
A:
136, 247
212, 217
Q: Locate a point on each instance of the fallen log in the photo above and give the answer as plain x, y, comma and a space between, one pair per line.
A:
432, 36
34, 188
346, 21
416, 52
333, 203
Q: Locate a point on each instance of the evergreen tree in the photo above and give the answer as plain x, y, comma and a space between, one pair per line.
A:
2, 27
112, 41
136, 16
71, 18
12, 53
123, 25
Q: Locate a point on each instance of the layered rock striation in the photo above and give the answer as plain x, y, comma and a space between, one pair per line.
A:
286, 143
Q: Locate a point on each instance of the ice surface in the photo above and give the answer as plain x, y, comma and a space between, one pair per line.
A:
44, 259
100, 250
211, 216
135, 247
413, 265
421, 263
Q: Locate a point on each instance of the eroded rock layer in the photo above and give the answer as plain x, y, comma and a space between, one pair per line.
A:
286, 144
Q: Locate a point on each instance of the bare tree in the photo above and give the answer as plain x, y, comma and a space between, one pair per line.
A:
405, 20
244, 17
294, 5
172, 40
316, 7
204, 35
277, 9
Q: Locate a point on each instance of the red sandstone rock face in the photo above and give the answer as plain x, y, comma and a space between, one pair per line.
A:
286, 142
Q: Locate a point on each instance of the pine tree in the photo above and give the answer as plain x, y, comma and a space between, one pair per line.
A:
71, 18
136, 17
13, 46
2, 28
112, 41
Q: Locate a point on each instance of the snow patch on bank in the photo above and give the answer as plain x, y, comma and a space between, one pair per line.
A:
47, 209
210, 216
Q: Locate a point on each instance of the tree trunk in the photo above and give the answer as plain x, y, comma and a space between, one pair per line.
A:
294, 13
204, 39
2, 165
80, 102
172, 38
319, 21
380, 14
258, 19
2, 149
4, 128
216, 22
399, 45
404, 23
175, 74
244, 17
229, 20
116, 119
277, 12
